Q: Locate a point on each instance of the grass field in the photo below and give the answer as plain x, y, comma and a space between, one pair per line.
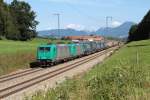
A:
16, 55
124, 76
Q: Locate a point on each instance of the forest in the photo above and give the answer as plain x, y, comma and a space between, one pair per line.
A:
140, 31
17, 21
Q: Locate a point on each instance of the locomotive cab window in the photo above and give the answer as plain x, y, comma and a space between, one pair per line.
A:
41, 48
45, 49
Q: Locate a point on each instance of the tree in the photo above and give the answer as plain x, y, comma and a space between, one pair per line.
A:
142, 30
25, 19
8, 28
1, 18
132, 32
11, 29
17, 21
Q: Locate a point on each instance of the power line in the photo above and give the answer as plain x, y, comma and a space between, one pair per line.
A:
83, 13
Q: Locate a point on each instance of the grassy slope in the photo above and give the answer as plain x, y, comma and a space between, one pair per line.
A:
125, 75
16, 55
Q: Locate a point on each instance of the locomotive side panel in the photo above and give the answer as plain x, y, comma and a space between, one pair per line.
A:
62, 52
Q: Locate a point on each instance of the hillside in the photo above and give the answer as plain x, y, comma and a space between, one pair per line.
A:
123, 76
120, 31
64, 32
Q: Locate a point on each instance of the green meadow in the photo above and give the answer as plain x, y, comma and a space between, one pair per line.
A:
15, 55
123, 76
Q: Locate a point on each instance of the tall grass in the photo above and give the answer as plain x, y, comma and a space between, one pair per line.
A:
10, 63
124, 76
16, 55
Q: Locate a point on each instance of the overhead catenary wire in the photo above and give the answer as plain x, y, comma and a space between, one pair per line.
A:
83, 13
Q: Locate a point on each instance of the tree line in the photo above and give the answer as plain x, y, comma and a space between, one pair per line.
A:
140, 31
17, 21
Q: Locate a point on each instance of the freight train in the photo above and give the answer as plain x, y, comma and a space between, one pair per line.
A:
51, 54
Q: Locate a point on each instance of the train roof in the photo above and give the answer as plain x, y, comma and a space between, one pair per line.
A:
47, 45
72, 44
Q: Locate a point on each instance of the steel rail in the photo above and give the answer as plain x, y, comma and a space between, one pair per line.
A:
20, 75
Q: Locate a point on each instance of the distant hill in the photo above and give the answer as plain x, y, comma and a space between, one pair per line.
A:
121, 31
63, 32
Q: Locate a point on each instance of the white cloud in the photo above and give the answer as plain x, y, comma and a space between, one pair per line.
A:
116, 23
75, 26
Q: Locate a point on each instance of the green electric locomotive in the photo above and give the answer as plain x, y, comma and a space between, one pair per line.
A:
51, 54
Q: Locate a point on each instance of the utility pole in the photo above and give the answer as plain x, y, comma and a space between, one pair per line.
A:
58, 19
107, 23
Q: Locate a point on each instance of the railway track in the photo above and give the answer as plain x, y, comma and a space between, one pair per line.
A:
19, 74
28, 83
9, 75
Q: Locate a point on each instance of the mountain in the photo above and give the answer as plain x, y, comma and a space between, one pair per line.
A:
120, 31
63, 32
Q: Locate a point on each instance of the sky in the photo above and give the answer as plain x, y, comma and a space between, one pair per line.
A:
87, 14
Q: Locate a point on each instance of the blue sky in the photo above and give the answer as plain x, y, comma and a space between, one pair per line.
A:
87, 14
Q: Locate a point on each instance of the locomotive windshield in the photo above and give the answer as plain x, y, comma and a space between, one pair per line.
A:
44, 49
